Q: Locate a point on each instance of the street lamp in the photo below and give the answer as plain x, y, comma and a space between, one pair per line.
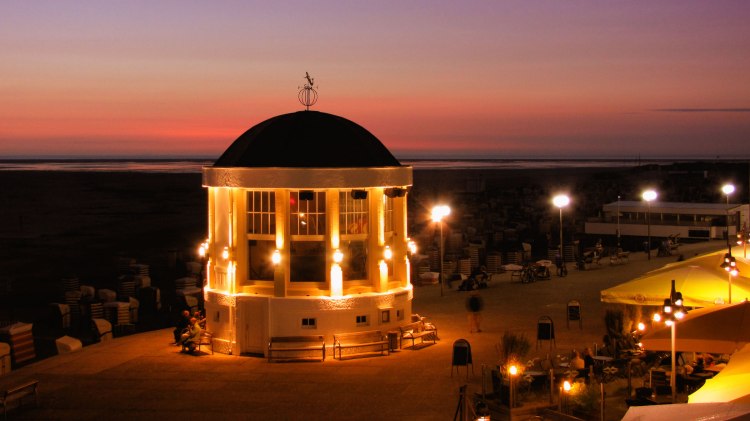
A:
648, 196
728, 189
672, 311
438, 213
618, 223
561, 201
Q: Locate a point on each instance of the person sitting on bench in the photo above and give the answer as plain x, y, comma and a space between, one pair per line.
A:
190, 338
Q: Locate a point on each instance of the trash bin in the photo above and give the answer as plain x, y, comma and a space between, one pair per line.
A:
392, 340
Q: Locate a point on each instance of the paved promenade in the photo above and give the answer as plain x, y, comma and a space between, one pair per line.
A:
143, 377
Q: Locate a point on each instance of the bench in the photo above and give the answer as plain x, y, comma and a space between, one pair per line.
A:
18, 395
296, 347
372, 339
416, 330
206, 338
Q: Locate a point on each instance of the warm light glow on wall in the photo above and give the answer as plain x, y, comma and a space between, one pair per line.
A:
231, 272
383, 275
225, 253
276, 257
338, 256
388, 253
408, 270
337, 281
208, 274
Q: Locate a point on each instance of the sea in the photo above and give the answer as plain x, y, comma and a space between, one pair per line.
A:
195, 165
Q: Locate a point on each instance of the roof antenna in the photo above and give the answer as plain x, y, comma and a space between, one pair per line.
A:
307, 95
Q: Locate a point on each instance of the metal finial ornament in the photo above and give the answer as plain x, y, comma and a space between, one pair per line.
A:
308, 96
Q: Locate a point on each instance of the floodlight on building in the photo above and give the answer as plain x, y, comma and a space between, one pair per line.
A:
338, 256
225, 253
388, 253
276, 257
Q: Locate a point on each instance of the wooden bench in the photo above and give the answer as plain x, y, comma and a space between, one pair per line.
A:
206, 338
18, 395
295, 347
416, 330
371, 339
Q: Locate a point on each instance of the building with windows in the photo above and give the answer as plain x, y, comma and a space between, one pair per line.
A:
686, 220
306, 233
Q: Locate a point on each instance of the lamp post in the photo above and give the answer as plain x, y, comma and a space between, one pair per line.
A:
648, 196
728, 189
561, 201
671, 312
438, 213
618, 223
512, 372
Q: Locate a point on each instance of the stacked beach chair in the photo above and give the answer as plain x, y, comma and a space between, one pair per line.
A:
494, 263
21, 340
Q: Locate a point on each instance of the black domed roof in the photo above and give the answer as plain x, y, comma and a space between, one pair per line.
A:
307, 139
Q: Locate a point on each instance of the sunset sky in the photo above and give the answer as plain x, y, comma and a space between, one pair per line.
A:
504, 79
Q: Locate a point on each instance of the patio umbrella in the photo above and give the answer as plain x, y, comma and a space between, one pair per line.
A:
719, 329
701, 280
700, 411
732, 384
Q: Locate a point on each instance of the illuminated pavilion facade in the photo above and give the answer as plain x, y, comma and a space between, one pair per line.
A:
306, 234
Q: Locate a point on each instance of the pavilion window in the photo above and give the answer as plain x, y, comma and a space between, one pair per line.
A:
261, 212
307, 213
259, 256
261, 234
354, 264
388, 229
387, 213
353, 214
354, 228
307, 217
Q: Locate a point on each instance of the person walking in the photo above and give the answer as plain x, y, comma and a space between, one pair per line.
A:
474, 307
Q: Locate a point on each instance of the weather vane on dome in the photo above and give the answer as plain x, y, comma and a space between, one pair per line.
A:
307, 94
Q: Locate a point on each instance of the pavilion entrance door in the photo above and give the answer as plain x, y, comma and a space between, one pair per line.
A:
252, 322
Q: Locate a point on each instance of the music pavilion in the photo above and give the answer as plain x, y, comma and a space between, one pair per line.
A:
306, 233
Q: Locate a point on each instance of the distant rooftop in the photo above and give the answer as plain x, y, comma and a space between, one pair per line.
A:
670, 207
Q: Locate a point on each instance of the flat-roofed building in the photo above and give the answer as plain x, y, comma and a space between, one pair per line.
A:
686, 220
